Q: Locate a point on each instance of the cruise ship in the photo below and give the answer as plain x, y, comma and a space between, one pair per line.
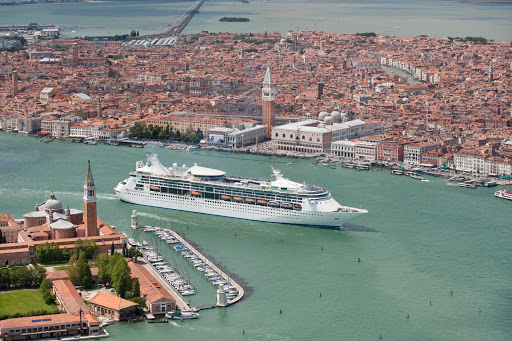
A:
210, 191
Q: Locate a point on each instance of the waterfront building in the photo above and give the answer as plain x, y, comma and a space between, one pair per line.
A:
268, 97
366, 63
183, 120
158, 299
113, 307
76, 319
345, 149
52, 32
392, 151
48, 326
317, 136
235, 138
58, 127
413, 152
366, 150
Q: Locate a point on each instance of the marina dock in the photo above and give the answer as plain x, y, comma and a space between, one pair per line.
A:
228, 290
213, 266
180, 301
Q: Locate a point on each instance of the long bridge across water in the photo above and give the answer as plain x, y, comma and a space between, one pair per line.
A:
182, 22
169, 36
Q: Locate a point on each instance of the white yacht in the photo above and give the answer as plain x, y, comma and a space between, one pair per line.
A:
503, 194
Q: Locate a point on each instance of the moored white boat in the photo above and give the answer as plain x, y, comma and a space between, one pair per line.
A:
179, 315
503, 194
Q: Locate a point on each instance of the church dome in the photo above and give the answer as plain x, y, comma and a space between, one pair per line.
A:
53, 203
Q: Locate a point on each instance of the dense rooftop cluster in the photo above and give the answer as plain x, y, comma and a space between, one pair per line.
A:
462, 94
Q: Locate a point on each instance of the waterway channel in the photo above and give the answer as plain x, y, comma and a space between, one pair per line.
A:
418, 242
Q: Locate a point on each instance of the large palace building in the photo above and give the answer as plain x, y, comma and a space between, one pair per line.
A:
50, 222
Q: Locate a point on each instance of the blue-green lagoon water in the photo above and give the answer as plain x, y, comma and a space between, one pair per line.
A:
419, 241
392, 17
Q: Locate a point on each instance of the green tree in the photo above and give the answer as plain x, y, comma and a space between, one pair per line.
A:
37, 272
121, 280
133, 253
5, 278
104, 269
45, 288
84, 271
135, 287
89, 247
22, 277
46, 285
49, 253
141, 301
73, 275
112, 249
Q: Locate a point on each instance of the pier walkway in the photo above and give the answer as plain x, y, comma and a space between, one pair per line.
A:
213, 266
182, 22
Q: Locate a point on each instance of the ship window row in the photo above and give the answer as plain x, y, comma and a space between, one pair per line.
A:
236, 207
234, 191
194, 186
231, 194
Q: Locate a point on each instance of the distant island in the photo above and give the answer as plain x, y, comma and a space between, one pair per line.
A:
234, 19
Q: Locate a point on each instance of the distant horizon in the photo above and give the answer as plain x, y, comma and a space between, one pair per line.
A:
437, 18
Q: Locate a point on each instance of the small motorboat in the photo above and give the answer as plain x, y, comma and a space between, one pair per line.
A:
178, 315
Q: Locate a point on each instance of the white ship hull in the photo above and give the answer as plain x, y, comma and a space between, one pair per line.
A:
236, 209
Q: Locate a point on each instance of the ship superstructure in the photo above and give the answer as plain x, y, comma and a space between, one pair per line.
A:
211, 191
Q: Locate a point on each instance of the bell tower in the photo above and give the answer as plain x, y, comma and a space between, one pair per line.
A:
268, 97
90, 221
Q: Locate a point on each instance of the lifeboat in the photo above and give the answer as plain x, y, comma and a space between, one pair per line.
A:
154, 187
261, 202
273, 203
225, 197
297, 207
286, 205
196, 193
238, 198
250, 200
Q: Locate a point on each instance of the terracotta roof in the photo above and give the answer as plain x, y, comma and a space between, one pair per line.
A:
55, 275
111, 301
149, 285
42, 320
71, 300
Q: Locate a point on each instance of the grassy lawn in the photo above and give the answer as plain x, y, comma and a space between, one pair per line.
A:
23, 301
